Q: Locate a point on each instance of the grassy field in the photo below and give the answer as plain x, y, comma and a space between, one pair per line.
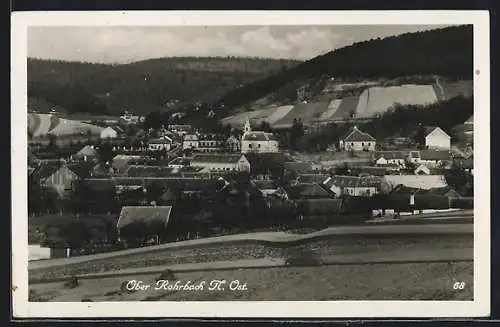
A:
252, 251
423, 281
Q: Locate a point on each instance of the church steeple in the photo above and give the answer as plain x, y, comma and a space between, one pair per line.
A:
247, 127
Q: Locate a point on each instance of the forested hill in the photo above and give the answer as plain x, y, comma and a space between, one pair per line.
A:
141, 86
447, 52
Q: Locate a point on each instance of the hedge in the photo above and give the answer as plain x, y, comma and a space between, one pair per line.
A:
462, 203
402, 202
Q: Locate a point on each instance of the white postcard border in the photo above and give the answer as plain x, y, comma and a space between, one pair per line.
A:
275, 309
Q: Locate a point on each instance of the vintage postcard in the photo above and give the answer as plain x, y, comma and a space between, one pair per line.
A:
251, 164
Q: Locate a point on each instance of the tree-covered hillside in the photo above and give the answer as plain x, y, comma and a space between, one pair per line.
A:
446, 52
141, 86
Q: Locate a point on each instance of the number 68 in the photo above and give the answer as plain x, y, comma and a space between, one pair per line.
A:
459, 286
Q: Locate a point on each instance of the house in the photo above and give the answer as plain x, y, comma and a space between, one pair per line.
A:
180, 129
357, 140
121, 161
161, 143
421, 182
211, 142
204, 142
233, 144
87, 153
266, 165
59, 178
308, 191
108, 133
179, 163
430, 158
221, 162
436, 138
151, 217
422, 170
370, 171
387, 158
353, 186
258, 141
148, 171
190, 141
269, 188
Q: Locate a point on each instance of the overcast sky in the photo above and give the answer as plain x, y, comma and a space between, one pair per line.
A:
126, 44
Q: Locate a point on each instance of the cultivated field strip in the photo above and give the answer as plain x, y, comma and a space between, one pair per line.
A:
276, 239
346, 250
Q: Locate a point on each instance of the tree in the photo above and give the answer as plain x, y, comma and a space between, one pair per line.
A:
342, 169
106, 153
265, 127
154, 191
460, 180
420, 136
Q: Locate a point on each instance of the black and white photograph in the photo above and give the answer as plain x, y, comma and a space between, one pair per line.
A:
250, 164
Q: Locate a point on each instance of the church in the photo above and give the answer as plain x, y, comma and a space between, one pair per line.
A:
258, 141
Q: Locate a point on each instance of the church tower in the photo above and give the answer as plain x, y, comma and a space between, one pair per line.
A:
247, 127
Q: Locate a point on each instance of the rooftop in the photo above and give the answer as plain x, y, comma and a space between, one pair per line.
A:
216, 158
129, 215
355, 135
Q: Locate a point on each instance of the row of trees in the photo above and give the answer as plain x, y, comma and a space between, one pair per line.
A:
145, 86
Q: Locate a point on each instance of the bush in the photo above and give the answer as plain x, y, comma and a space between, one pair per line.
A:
301, 257
431, 202
72, 282
462, 203
402, 202
166, 275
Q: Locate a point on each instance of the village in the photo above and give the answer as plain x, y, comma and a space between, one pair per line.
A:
110, 188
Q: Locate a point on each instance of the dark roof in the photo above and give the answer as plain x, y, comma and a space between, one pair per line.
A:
100, 184
265, 184
355, 135
390, 154
183, 183
470, 120
258, 136
352, 181
148, 171
129, 215
434, 155
44, 171
373, 171
180, 161
311, 178
212, 137
82, 169
161, 140
216, 158
312, 190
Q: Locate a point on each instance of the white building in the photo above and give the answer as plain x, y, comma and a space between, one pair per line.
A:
221, 162
162, 143
430, 158
357, 140
190, 141
179, 163
436, 138
258, 141
109, 133
385, 158
353, 186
